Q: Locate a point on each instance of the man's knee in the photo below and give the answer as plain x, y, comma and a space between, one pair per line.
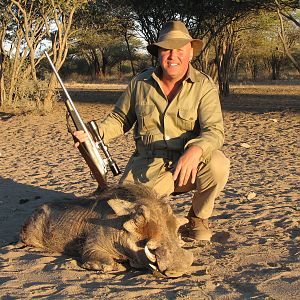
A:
215, 173
212, 178
219, 166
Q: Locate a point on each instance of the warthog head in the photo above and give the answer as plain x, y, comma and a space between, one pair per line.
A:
153, 237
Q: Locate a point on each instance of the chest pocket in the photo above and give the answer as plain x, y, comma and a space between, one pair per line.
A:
186, 119
146, 118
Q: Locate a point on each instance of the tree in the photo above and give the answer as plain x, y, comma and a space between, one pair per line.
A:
63, 14
224, 47
103, 25
212, 21
24, 33
4, 21
14, 53
288, 40
27, 25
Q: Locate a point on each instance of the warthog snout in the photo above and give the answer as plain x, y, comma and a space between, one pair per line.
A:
172, 262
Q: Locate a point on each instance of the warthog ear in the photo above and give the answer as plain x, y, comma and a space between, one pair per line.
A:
137, 223
182, 221
130, 226
121, 207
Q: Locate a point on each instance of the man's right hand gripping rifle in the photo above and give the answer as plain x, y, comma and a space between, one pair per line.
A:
82, 137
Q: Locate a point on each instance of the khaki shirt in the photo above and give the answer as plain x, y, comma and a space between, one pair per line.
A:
163, 129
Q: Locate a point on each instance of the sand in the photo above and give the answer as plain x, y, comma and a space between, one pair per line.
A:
255, 251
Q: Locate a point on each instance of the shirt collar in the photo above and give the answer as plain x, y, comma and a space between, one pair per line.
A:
192, 74
156, 73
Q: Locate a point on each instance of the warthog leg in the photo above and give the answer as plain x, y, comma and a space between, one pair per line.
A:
97, 259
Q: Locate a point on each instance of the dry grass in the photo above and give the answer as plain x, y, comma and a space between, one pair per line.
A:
95, 86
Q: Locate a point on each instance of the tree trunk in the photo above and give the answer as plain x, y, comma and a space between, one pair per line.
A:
213, 72
96, 65
254, 70
130, 53
284, 43
2, 86
276, 66
120, 70
104, 65
48, 101
63, 20
32, 64
2, 63
223, 58
224, 50
235, 66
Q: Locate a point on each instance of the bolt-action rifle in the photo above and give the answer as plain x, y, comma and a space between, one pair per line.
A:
89, 149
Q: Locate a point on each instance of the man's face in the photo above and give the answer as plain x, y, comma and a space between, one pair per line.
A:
175, 62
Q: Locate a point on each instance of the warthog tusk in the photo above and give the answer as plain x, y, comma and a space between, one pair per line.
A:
153, 267
150, 255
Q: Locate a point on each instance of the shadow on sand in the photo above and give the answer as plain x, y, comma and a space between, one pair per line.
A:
94, 96
261, 103
17, 202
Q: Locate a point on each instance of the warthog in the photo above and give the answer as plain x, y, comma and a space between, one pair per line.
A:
124, 223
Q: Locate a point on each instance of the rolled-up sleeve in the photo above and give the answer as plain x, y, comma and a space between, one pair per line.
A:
122, 117
210, 119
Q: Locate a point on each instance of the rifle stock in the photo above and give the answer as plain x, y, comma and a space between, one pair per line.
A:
88, 149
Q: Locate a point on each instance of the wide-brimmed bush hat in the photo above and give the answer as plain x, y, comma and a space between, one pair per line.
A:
174, 35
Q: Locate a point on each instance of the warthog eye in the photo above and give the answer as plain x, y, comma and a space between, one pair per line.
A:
142, 243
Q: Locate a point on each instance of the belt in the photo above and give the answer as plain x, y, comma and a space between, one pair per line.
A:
160, 153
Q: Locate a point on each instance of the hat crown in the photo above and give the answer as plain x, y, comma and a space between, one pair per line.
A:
174, 35
173, 29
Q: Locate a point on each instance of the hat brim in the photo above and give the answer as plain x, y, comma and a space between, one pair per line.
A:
175, 44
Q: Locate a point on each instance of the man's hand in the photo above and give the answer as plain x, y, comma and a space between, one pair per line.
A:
81, 137
187, 165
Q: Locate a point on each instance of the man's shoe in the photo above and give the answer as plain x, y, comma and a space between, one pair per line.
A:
198, 228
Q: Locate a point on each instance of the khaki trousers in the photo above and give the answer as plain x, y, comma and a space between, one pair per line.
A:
211, 179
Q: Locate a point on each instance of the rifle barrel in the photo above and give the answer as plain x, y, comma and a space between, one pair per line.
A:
66, 93
94, 159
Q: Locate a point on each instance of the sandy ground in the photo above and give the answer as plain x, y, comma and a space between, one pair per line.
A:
255, 249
